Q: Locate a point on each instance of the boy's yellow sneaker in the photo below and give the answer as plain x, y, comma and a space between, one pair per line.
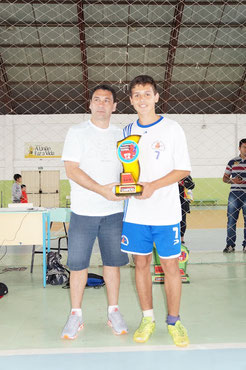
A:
179, 334
145, 330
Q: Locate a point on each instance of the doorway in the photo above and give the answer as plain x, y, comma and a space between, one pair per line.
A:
42, 187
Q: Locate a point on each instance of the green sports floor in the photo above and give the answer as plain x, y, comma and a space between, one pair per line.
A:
213, 310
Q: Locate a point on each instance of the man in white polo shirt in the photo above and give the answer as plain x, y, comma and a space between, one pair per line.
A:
93, 169
154, 217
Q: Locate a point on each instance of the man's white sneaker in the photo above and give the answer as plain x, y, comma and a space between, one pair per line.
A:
73, 325
117, 323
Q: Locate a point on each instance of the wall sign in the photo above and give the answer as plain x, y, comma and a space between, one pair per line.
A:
43, 150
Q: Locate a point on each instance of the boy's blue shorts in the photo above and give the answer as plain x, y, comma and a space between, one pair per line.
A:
139, 239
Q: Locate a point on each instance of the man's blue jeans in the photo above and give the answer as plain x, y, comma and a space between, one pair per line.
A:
236, 202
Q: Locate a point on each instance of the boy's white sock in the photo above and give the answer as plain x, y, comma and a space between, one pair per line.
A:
149, 313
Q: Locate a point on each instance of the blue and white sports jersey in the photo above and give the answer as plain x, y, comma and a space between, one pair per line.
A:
162, 149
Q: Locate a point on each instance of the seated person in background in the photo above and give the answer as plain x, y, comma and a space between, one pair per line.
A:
24, 194
184, 185
16, 189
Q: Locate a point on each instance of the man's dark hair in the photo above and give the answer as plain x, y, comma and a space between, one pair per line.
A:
17, 176
104, 87
142, 80
242, 141
23, 186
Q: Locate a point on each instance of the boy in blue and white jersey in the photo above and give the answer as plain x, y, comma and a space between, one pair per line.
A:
154, 217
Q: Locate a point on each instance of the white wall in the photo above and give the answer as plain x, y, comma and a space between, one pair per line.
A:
212, 140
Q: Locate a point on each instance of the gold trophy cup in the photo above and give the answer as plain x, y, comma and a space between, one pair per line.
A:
128, 151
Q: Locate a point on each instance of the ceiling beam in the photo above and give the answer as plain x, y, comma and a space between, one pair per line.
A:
241, 94
173, 43
134, 24
6, 97
195, 65
160, 82
113, 46
215, 37
52, 2
125, 2
81, 25
125, 99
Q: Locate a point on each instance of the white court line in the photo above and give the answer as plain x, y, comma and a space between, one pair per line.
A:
141, 348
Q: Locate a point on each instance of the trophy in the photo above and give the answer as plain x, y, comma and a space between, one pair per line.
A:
128, 152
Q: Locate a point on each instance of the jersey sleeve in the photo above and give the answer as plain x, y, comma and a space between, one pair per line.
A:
181, 154
228, 169
72, 148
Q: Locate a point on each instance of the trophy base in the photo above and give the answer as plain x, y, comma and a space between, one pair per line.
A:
130, 189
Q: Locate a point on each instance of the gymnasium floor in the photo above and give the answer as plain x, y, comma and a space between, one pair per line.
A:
213, 310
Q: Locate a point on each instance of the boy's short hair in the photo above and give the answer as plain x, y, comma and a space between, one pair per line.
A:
23, 186
142, 80
104, 87
17, 176
242, 141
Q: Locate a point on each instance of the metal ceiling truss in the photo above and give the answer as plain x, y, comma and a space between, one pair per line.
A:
117, 83
239, 96
81, 25
133, 24
125, 99
6, 97
113, 46
124, 2
173, 43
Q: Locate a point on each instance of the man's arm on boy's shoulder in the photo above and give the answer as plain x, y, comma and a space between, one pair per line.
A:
77, 175
150, 187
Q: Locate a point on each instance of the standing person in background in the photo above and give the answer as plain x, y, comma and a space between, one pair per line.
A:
235, 174
184, 185
16, 189
93, 169
24, 194
154, 217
